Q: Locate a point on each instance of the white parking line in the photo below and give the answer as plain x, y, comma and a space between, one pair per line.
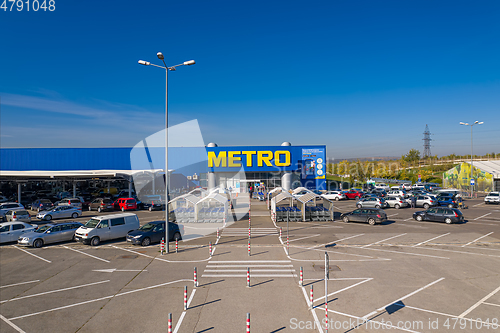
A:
383, 240
31, 254
466, 312
17, 284
346, 288
392, 215
491, 304
179, 322
477, 218
308, 301
475, 240
404, 297
430, 240
479, 204
293, 240
86, 254
410, 253
11, 324
338, 240
98, 299
53, 291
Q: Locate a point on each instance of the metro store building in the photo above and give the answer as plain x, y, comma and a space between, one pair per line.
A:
209, 167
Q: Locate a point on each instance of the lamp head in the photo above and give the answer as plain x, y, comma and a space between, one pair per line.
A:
145, 63
189, 63
481, 122
160, 56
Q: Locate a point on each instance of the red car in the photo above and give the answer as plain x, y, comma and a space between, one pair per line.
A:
124, 204
354, 194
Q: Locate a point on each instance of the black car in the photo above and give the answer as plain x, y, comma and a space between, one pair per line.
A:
370, 215
153, 202
41, 204
440, 214
153, 232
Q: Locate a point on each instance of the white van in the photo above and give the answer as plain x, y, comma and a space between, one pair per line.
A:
105, 227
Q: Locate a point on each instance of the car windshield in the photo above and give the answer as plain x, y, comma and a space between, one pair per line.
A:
92, 223
494, 194
41, 230
147, 227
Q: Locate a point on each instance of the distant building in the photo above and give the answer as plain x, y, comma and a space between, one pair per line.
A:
486, 176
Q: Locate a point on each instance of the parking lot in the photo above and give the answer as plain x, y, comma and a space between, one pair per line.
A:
402, 275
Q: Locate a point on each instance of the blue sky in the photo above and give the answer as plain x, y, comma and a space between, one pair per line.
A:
362, 77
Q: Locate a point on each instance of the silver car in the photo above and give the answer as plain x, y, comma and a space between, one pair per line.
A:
21, 215
60, 212
396, 202
371, 202
10, 231
50, 233
426, 201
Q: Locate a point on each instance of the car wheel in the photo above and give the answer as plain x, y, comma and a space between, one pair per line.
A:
150, 208
357, 197
448, 220
74, 215
337, 198
345, 219
418, 218
397, 206
95, 241
99, 209
371, 221
450, 206
426, 206
38, 243
38, 209
123, 209
177, 236
146, 241
90, 209
359, 205
377, 206
48, 217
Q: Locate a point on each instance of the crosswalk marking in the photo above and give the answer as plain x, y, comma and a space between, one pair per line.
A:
258, 268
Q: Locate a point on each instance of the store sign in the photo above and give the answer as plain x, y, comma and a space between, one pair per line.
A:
249, 158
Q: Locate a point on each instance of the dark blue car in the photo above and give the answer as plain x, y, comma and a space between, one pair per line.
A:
41, 204
447, 200
153, 232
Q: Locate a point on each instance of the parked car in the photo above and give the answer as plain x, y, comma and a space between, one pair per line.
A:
50, 233
301, 193
354, 194
492, 198
396, 202
440, 214
153, 202
10, 231
3, 199
383, 186
124, 204
370, 215
425, 201
371, 202
396, 193
334, 195
6, 206
18, 215
107, 227
74, 202
153, 232
369, 195
101, 204
41, 204
447, 199
60, 212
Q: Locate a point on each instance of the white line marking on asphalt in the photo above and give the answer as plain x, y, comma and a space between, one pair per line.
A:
404, 297
161, 259
98, 299
346, 288
392, 215
466, 312
445, 314
383, 240
491, 304
479, 204
179, 322
308, 301
53, 291
410, 253
86, 254
31, 254
477, 218
430, 240
338, 240
364, 321
17, 284
12, 324
293, 240
252, 275
478, 254
475, 240
247, 261
411, 218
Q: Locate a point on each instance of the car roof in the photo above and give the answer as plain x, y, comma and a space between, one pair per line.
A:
14, 222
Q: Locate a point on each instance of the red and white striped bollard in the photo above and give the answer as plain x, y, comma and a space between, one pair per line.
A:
210, 248
312, 298
169, 323
249, 232
195, 278
185, 298
162, 246
176, 246
248, 276
280, 233
249, 247
248, 322
301, 281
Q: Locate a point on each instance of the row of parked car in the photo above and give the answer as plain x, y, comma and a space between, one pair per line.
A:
93, 232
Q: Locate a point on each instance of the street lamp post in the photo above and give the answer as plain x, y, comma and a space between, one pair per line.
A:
166, 68
471, 165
